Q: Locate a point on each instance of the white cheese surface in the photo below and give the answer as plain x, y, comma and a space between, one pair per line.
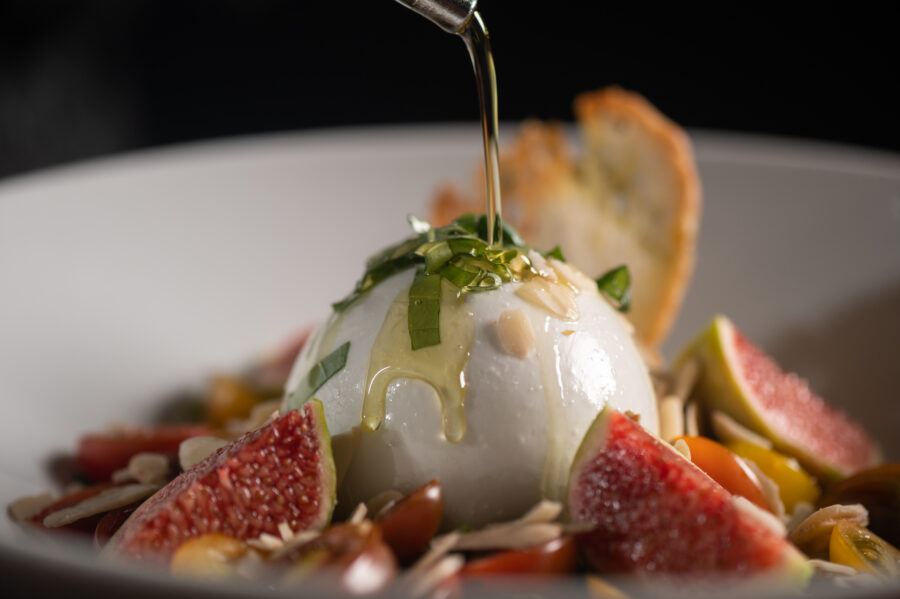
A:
518, 410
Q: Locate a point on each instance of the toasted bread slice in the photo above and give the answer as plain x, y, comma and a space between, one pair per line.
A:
632, 197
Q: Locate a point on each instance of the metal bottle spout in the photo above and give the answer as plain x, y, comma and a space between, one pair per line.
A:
450, 15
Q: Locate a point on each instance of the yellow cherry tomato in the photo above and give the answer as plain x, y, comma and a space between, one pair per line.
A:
726, 469
207, 556
794, 484
857, 547
229, 398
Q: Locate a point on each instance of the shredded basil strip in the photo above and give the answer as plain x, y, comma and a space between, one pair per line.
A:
457, 252
424, 310
556, 253
616, 285
318, 375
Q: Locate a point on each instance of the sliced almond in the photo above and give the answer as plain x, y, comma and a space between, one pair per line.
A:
534, 528
671, 417
574, 278
541, 266
300, 538
557, 299
149, 467
108, 499
813, 535
24, 508
832, 569
692, 419
769, 488
266, 542
728, 430
358, 515
683, 448
515, 333
426, 582
440, 546
194, 450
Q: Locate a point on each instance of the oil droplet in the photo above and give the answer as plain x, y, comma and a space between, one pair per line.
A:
441, 366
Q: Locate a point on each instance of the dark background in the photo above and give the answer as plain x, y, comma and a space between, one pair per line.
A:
86, 78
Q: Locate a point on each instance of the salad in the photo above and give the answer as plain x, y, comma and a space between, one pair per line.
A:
471, 411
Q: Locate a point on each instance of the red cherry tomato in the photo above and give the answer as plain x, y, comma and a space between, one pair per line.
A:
724, 467
111, 521
412, 522
100, 455
551, 558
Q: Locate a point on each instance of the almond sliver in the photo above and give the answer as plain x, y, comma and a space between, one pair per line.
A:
104, 501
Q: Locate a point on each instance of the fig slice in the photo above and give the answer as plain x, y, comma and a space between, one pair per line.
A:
281, 473
654, 514
740, 380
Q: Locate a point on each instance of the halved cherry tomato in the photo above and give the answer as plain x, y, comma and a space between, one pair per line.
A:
229, 398
209, 556
857, 547
551, 558
100, 455
878, 489
725, 468
111, 521
413, 521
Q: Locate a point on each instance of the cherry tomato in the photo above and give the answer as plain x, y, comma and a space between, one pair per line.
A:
111, 521
209, 556
353, 557
551, 558
857, 547
100, 455
794, 484
413, 521
229, 398
726, 469
879, 490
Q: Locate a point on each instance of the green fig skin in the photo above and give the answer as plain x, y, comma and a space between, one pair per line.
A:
720, 387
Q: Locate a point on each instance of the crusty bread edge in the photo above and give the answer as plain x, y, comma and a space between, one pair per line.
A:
591, 105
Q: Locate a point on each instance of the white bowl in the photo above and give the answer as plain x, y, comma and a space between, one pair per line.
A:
125, 280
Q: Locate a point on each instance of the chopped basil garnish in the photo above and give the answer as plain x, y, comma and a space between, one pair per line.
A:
318, 375
457, 252
615, 284
425, 310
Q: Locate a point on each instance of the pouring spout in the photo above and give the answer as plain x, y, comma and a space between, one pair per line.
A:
452, 16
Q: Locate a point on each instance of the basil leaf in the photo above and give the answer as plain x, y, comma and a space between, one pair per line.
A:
318, 375
616, 285
424, 310
556, 253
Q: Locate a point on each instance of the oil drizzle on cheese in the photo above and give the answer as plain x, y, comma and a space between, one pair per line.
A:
556, 469
442, 366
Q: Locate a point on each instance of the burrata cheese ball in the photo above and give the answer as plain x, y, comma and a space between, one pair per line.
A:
497, 410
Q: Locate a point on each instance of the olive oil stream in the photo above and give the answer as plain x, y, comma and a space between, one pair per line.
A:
442, 366
479, 45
